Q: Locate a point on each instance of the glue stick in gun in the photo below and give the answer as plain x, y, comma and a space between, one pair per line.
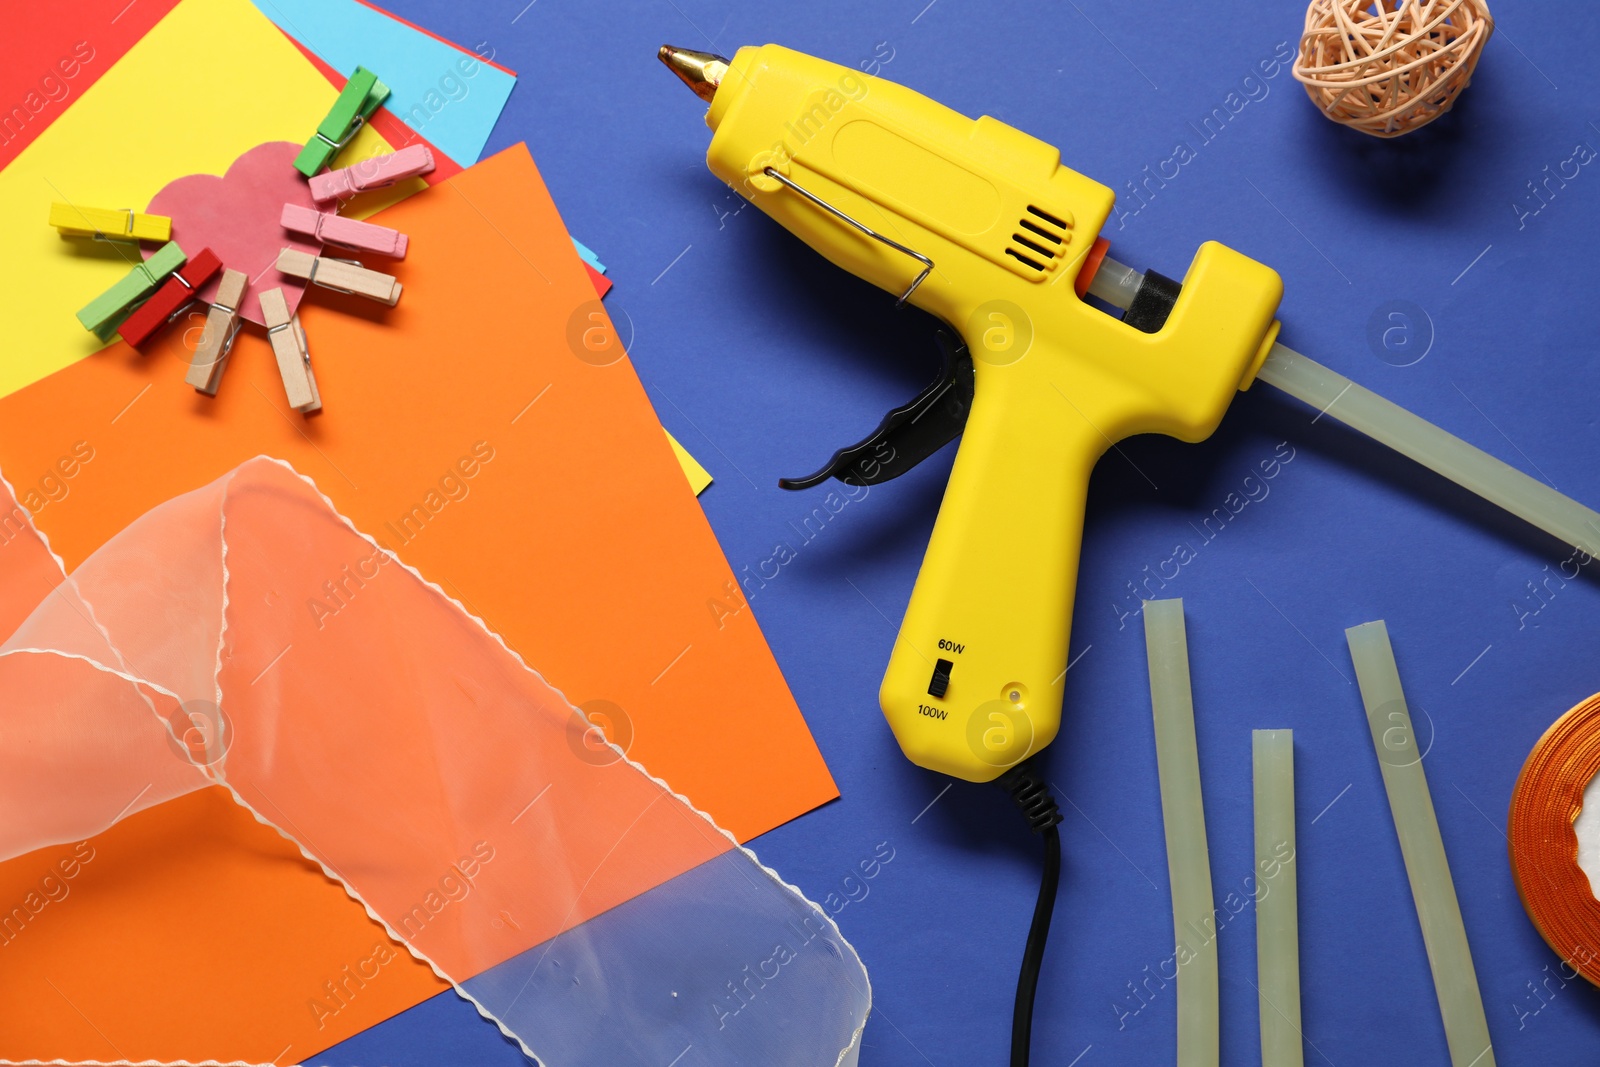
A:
980, 225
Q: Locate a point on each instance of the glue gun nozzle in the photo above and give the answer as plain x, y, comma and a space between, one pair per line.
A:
700, 71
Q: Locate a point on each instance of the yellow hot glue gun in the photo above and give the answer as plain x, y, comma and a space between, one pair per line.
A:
980, 225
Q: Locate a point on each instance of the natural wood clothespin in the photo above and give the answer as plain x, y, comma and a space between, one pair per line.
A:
289, 347
339, 275
210, 357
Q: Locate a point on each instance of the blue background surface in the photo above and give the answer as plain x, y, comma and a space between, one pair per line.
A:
762, 359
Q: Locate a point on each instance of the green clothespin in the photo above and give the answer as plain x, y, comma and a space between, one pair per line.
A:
357, 101
105, 312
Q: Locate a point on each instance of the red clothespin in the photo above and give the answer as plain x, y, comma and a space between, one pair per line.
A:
349, 233
374, 173
176, 293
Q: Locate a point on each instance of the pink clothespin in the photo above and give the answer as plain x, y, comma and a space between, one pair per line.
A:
374, 173
349, 233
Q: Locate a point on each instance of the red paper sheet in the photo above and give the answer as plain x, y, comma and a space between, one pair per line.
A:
51, 60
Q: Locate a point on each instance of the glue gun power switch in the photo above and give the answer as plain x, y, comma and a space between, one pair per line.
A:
980, 225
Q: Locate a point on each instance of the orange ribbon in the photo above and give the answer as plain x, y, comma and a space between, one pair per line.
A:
1543, 844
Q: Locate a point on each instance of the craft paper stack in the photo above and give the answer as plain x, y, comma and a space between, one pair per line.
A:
471, 429
420, 765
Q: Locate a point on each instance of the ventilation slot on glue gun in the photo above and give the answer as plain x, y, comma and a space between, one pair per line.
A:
1043, 240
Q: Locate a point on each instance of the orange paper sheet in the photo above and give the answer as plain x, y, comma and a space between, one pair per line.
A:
472, 431
109, 947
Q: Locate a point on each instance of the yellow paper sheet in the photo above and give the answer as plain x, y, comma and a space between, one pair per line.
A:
698, 476
211, 80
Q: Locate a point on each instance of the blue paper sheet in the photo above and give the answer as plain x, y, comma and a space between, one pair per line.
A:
588, 255
448, 95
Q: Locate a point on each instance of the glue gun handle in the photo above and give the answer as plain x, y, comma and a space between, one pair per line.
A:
993, 599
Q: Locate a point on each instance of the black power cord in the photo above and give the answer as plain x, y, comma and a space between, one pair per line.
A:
1032, 795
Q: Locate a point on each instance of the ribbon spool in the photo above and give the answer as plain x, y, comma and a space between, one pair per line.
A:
1543, 840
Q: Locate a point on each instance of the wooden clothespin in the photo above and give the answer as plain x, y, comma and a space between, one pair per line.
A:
357, 101
289, 347
210, 357
338, 230
341, 276
375, 173
106, 224
175, 294
107, 311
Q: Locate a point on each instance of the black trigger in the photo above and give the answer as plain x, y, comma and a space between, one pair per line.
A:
909, 434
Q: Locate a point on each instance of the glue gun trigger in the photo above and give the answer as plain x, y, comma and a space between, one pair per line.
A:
909, 434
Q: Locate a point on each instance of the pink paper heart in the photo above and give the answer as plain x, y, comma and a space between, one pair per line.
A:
237, 217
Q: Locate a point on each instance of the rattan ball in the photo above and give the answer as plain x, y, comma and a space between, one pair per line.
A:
1387, 67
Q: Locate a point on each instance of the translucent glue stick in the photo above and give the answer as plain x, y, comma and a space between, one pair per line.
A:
1194, 916
1415, 824
1361, 409
1277, 905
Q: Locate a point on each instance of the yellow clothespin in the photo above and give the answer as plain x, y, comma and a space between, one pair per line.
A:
106, 224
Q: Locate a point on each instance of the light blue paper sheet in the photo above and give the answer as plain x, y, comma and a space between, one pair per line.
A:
449, 96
